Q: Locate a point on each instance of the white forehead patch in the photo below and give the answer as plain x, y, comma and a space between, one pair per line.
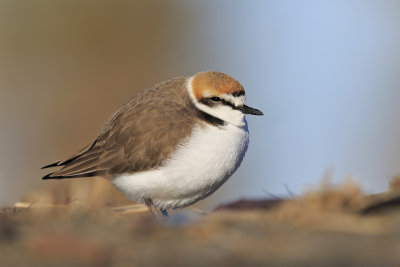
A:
236, 100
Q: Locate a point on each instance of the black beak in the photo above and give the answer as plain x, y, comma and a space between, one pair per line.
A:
248, 110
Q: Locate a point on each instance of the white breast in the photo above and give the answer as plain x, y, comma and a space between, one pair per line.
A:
194, 171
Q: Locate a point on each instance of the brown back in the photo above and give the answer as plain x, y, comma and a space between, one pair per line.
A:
140, 136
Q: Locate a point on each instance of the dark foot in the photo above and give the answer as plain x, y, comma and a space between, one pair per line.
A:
156, 213
164, 213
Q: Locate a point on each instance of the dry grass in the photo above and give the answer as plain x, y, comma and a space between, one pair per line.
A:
91, 224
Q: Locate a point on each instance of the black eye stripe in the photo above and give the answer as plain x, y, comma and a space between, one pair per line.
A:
209, 101
223, 101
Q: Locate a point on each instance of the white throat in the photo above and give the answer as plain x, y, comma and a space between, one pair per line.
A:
225, 113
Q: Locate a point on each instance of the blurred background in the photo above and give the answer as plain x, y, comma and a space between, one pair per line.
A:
325, 74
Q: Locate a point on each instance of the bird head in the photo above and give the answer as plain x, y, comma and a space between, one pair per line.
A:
221, 96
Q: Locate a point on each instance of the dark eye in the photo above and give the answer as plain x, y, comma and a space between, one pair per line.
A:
216, 99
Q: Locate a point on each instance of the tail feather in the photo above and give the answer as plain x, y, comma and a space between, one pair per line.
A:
55, 164
82, 164
55, 176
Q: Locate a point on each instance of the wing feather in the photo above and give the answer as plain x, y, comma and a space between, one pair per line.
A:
141, 135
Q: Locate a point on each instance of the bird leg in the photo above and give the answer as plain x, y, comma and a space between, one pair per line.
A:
154, 211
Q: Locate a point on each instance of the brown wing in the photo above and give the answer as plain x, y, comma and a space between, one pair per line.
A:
141, 135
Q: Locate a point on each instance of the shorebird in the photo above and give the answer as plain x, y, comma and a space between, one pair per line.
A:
171, 145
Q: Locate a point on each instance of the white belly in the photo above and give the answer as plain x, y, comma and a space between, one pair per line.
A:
193, 172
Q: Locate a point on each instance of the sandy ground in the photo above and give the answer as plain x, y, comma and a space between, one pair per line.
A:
330, 226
